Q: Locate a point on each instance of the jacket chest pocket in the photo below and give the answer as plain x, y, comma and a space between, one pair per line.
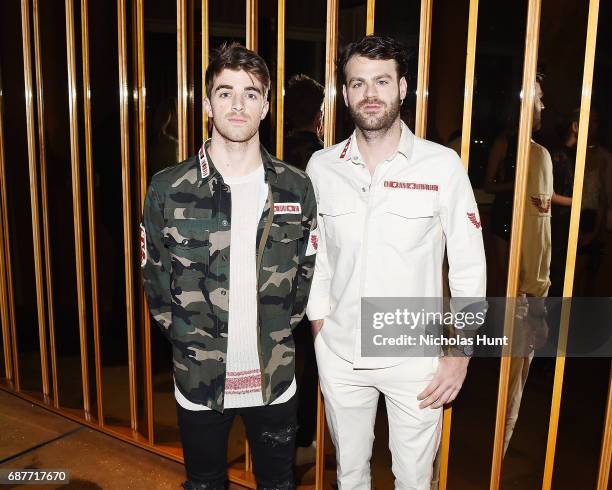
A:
283, 244
187, 238
410, 219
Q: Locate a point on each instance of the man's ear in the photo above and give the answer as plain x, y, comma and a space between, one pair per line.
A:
264, 110
344, 94
207, 107
403, 88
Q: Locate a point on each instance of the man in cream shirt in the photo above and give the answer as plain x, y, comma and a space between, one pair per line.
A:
390, 205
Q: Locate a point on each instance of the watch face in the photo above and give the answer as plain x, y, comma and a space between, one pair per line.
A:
468, 350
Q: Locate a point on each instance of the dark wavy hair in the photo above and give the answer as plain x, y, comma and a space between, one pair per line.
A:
234, 56
375, 47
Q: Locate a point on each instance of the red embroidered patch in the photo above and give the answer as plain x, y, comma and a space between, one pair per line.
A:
143, 246
345, 149
541, 204
474, 220
314, 241
204, 169
287, 208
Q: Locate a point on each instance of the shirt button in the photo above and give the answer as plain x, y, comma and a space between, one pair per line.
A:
224, 222
223, 292
363, 189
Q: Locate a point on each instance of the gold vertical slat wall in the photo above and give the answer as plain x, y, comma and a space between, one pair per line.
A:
370, 9
605, 457
141, 94
7, 300
5, 268
128, 233
33, 174
585, 107
468, 99
181, 70
44, 198
280, 79
524, 138
422, 93
185, 104
76, 199
91, 211
205, 54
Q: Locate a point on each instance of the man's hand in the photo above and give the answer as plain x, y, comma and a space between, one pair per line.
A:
445, 385
316, 326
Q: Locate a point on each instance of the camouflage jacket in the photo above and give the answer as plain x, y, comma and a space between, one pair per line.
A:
185, 250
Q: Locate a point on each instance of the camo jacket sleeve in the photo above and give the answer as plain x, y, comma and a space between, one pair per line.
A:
155, 261
307, 257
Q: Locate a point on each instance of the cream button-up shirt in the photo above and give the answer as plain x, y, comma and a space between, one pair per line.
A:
385, 235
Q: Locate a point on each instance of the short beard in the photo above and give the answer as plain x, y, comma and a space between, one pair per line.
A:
375, 123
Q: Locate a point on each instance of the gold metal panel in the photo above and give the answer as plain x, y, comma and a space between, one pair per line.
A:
252, 16
181, 72
91, 208
33, 172
190, 78
468, 99
8, 327
572, 245
331, 50
422, 95
524, 139
606, 445
370, 9
143, 174
6, 278
280, 79
205, 54
127, 216
44, 198
76, 199
4, 301
465, 156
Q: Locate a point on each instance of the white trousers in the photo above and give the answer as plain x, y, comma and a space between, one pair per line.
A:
351, 397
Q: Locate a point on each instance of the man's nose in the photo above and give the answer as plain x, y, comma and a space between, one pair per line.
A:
371, 90
237, 104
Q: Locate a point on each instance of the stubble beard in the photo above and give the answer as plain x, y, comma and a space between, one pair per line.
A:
236, 136
375, 123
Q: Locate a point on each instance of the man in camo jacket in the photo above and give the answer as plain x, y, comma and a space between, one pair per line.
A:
231, 214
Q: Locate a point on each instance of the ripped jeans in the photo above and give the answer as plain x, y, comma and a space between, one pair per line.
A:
271, 432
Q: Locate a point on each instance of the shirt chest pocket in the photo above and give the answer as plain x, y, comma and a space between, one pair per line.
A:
339, 218
409, 221
283, 244
187, 238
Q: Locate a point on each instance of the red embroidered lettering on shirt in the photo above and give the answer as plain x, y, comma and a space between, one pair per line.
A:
542, 204
474, 220
287, 208
143, 246
204, 168
392, 184
345, 149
